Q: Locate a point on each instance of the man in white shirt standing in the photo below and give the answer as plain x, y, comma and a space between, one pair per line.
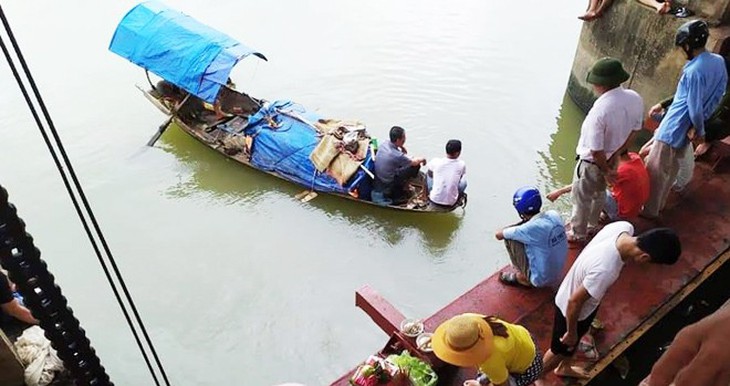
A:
606, 130
593, 272
446, 176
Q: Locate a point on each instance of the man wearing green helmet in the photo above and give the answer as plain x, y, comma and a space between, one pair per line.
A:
702, 85
614, 117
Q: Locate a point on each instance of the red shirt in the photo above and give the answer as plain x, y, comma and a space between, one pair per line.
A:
631, 189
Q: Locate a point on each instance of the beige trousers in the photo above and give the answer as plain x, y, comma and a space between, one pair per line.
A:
662, 163
588, 196
518, 256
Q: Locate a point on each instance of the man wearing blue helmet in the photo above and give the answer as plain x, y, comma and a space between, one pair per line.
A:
537, 245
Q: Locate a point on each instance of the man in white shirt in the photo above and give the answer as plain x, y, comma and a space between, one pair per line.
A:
446, 176
593, 272
606, 130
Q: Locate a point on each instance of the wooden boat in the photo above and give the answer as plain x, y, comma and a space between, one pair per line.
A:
280, 138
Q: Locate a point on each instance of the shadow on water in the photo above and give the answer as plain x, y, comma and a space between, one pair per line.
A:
556, 165
231, 183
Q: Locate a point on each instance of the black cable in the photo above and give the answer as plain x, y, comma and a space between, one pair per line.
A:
83, 199
73, 199
40, 293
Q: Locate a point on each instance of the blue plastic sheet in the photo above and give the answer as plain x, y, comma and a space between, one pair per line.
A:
178, 48
285, 149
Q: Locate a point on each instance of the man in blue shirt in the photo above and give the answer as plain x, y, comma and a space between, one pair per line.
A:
393, 168
537, 246
700, 89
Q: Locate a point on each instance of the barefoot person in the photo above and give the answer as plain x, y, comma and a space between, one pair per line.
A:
537, 246
596, 8
506, 354
661, 7
593, 272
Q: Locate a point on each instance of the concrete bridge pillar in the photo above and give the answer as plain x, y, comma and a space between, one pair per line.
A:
644, 42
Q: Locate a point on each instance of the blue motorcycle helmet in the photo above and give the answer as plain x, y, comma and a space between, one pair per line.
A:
527, 201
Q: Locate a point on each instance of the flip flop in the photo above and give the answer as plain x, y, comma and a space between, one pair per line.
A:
510, 278
681, 12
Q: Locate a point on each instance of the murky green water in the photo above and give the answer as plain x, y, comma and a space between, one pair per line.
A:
238, 282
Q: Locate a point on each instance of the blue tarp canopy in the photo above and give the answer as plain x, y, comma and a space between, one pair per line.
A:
178, 48
285, 149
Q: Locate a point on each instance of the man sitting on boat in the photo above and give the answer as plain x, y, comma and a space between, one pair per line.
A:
446, 177
393, 168
537, 246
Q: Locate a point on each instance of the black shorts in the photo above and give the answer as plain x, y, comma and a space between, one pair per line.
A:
560, 327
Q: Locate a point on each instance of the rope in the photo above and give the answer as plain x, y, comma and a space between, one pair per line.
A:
75, 202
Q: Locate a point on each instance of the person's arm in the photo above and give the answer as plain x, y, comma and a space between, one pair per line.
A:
575, 303
418, 161
555, 194
499, 235
695, 107
698, 355
14, 309
646, 147
599, 157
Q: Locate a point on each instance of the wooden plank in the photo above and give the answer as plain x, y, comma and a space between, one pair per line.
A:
384, 314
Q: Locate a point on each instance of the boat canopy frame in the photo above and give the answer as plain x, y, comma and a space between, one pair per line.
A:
178, 48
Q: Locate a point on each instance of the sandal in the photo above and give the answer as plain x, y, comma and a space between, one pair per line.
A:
510, 278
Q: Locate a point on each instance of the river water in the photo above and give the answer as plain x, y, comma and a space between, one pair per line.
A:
238, 282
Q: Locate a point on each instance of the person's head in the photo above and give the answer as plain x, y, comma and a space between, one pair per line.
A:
453, 148
527, 201
397, 135
606, 74
465, 340
658, 246
692, 37
624, 156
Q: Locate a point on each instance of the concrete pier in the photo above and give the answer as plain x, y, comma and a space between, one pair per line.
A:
644, 42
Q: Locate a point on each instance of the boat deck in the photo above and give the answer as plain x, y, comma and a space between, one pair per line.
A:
641, 296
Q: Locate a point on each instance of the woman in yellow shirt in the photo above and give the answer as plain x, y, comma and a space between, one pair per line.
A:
505, 353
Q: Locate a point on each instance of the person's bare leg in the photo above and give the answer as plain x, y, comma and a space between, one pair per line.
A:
550, 361
664, 8
603, 7
591, 12
566, 370
660, 7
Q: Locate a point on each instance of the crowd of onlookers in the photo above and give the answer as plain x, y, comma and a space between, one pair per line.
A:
615, 186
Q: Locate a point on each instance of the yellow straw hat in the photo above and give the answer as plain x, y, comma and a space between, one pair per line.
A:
464, 340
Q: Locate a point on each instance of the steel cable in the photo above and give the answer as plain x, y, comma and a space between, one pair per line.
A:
83, 198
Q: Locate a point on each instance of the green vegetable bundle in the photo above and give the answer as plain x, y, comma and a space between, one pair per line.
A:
419, 373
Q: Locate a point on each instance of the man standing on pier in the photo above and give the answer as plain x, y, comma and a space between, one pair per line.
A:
590, 277
703, 82
615, 115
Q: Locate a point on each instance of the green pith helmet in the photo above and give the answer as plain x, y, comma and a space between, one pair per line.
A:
607, 72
